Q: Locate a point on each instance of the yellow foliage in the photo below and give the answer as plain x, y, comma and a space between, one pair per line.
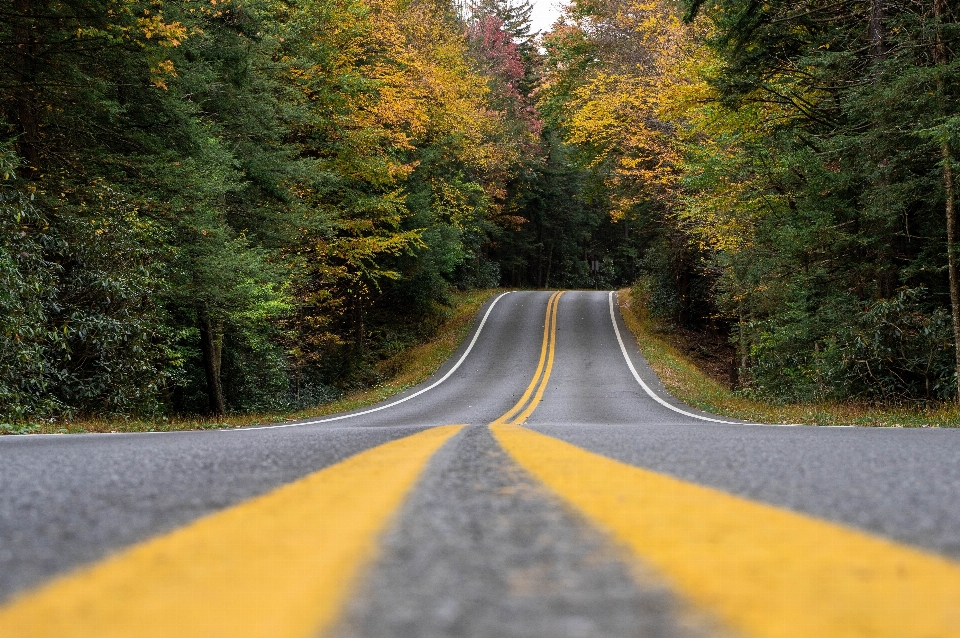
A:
617, 110
649, 121
167, 34
160, 71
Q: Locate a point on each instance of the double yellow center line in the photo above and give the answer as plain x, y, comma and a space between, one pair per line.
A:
534, 392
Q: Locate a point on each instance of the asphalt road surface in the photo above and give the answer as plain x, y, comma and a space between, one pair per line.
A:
542, 483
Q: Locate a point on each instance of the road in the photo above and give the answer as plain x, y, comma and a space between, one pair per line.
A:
542, 483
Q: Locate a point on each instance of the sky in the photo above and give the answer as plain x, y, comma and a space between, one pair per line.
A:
544, 14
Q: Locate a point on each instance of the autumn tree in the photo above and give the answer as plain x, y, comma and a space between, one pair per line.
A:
217, 197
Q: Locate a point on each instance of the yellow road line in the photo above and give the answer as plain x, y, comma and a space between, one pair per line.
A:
277, 566
520, 418
549, 340
536, 375
766, 571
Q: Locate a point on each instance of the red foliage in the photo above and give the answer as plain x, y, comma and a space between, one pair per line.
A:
500, 56
497, 48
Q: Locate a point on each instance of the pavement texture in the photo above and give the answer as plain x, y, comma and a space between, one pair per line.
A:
479, 548
462, 561
69, 500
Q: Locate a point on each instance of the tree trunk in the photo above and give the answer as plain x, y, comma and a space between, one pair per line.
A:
743, 350
358, 335
941, 58
683, 289
539, 254
546, 284
733, 371
211, 345
876, 28
25, 108
951, 212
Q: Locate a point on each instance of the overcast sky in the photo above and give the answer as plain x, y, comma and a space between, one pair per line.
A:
545, 12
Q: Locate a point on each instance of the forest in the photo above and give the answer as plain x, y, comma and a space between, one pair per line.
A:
230, 206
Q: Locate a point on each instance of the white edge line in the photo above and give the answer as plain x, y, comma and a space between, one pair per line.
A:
397, 402
646, 388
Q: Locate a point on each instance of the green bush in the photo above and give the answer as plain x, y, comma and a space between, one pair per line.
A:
894, 351
890, 351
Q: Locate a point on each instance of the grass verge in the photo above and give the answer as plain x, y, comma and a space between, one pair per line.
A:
409, 367
684, 380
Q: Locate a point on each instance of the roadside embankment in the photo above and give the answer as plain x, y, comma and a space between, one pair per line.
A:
403, 370
689, 383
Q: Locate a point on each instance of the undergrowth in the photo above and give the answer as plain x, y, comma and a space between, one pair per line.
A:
406, 369
684, 380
